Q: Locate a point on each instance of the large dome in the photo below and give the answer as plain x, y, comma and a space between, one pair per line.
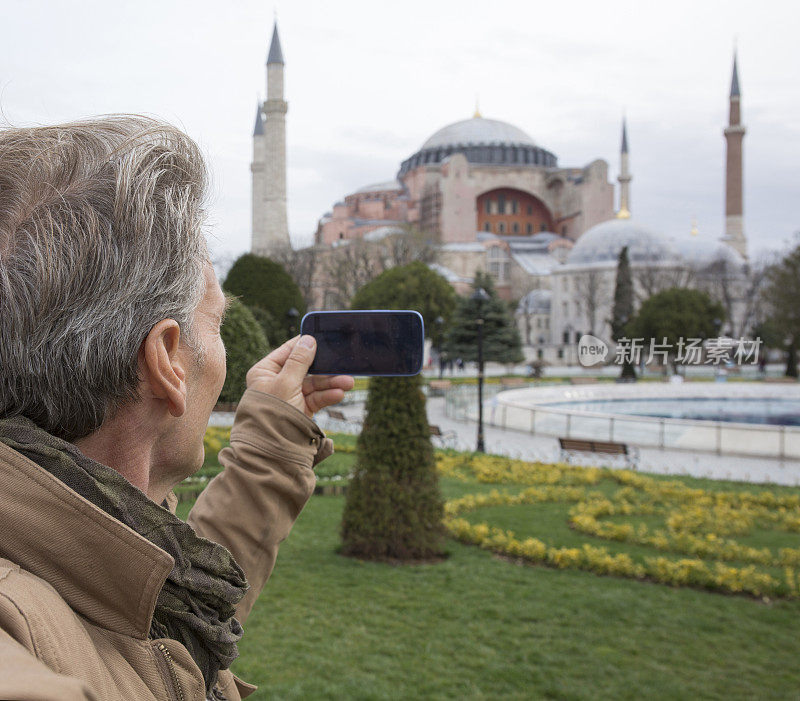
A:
479, 131
603, 243
484, 142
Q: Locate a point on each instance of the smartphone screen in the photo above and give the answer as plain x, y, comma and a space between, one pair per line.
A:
366, 342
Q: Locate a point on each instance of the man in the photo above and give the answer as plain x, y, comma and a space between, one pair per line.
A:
110, 364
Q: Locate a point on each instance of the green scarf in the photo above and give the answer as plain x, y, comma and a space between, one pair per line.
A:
197, 602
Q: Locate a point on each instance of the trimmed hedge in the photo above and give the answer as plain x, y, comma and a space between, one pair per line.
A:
394, 508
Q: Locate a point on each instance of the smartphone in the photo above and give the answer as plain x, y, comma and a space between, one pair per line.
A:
383, 343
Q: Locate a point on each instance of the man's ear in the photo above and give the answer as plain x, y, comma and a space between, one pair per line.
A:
164, 369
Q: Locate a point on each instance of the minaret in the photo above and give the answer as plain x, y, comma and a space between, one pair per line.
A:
257, 169
624, 177
270, 228
734, 135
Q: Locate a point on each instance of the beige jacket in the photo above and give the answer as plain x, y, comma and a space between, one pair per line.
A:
78, 588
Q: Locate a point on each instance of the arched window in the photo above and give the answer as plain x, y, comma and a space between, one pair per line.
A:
499, 263
511, 206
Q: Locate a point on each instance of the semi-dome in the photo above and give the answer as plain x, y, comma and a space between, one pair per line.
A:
702, 253
536, 302
387, 186
382, 232
603, 243
479, 131
482, 141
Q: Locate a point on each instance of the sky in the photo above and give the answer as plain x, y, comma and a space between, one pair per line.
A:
368, 82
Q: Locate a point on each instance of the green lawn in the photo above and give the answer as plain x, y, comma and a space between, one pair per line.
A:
480, 627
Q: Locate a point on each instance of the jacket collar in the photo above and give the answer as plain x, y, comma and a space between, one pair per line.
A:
103, 569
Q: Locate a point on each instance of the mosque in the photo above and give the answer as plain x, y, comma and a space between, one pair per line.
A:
495, 200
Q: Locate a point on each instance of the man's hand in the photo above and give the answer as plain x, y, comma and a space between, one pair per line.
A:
284, 374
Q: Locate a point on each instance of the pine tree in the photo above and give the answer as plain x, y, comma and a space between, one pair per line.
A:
394, 508
622, 311
501, 339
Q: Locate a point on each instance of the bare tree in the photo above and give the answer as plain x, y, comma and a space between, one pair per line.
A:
340, 271
223, 261
738, 289
652, 279
302, 265
593, 295
347, 268
409, 244
755, 282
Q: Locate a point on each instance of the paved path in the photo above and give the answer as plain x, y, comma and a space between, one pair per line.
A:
521, 445
517, 444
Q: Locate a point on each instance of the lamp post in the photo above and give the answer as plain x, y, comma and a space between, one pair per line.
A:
292, 316
567, 341
439, 326
480, 297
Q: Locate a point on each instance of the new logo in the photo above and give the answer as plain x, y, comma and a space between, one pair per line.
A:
591, 350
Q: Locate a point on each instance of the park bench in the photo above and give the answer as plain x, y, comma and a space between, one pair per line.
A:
444, 439
437, 388
579, 445
347, 425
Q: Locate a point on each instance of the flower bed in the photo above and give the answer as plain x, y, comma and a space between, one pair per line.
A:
698, 525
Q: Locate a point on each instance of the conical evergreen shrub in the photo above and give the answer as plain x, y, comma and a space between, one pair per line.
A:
394, 508
245, 344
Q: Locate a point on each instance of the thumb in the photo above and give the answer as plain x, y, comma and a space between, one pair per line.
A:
296, 367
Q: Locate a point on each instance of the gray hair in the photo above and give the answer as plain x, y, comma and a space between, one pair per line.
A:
100, 239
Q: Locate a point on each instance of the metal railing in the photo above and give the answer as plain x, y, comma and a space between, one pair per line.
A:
720, 437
